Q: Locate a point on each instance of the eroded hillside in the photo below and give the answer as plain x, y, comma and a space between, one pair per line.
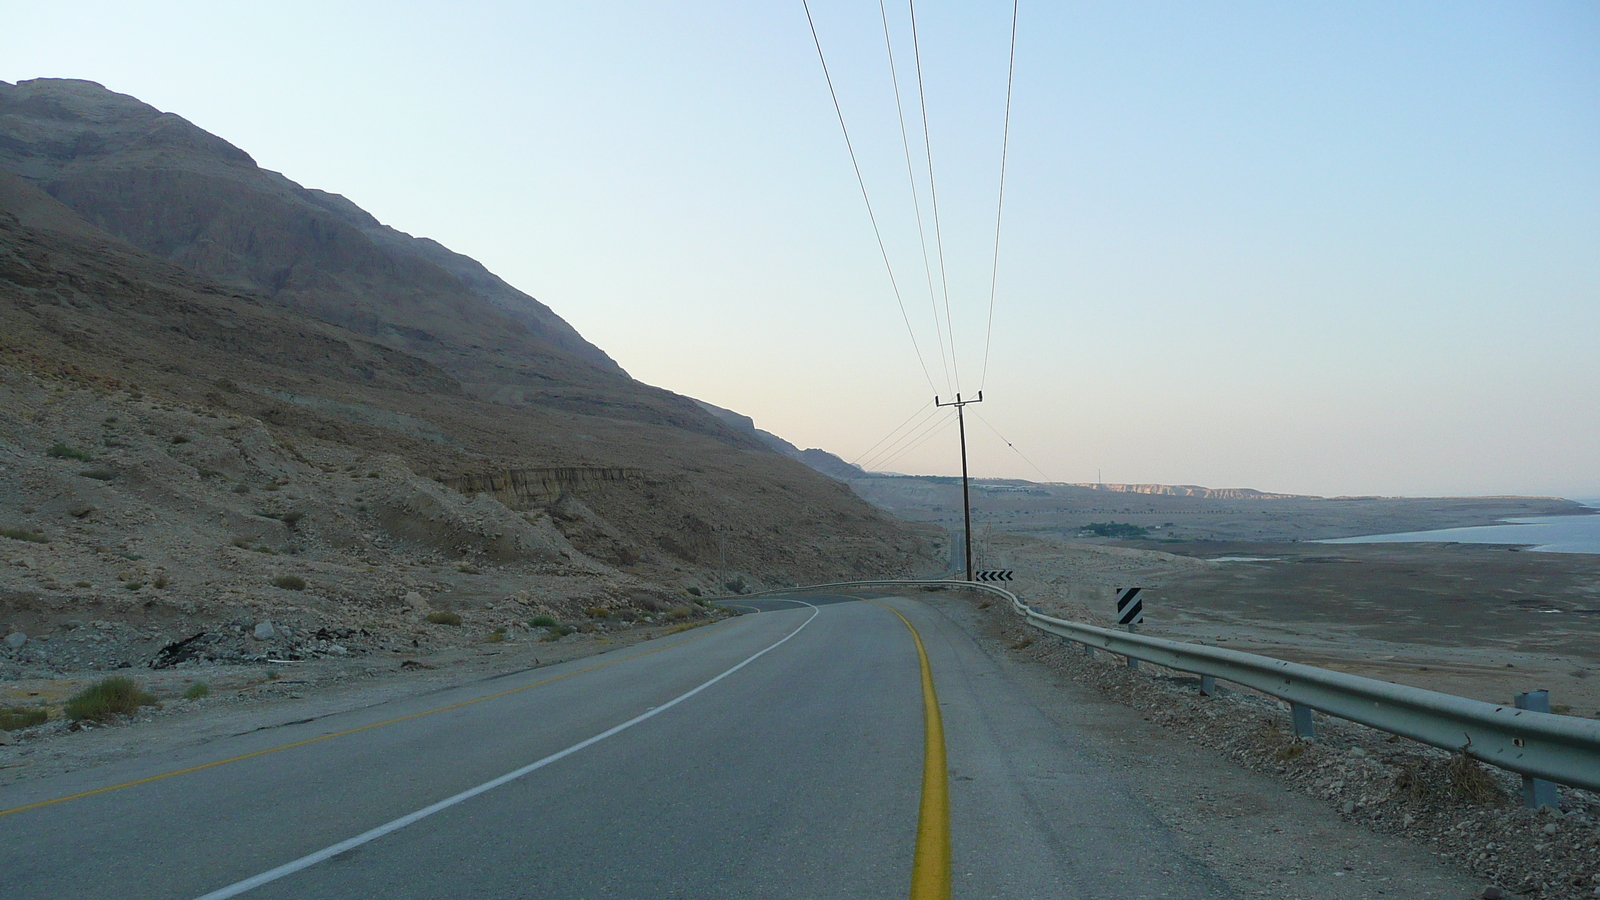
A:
180, 457
169, 188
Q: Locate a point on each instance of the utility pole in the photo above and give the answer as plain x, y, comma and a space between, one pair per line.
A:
966, 502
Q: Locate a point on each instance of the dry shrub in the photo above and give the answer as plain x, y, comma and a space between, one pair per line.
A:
107, 698
1471, 783
1277, 743
22, 717
1460, 778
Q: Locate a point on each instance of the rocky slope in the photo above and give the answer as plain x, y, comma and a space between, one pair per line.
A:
173, 190
183, 456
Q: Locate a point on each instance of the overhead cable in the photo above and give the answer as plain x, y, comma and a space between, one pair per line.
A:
916, 201
933, 193
925, 438
865, 199
1013, 447
1000, 202
916, 431
892, 433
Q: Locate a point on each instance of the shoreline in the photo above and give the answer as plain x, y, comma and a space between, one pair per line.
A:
1568, 536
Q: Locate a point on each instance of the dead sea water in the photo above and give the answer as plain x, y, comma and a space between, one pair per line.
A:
1549, 534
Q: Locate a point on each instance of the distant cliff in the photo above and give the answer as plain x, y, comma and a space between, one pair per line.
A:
820, 460
1189, 490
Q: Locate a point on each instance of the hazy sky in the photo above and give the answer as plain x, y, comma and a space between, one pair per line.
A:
1341, 248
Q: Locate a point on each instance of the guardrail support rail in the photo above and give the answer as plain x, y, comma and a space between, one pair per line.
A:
1529, 741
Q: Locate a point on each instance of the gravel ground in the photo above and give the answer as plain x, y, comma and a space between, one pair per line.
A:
1462, 813
243, 698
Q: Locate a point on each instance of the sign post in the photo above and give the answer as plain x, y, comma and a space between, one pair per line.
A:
1130, 612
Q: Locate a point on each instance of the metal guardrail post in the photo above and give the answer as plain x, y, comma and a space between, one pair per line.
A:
1208, 685
1304, 727
1537, 792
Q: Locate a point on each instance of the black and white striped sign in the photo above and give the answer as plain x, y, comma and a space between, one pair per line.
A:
1130, 609
992, 575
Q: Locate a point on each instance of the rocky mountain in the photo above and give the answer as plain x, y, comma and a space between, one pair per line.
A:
171, 189
183, 433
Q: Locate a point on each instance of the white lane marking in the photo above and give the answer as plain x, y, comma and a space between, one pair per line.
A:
305, 862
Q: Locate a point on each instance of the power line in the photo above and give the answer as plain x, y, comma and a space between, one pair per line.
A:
914, 434
890, 434
933, 193
1013, 447
1000, 203
916, 201
865, 199
925, 438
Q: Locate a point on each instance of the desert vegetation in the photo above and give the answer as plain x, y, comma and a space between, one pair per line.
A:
107, 699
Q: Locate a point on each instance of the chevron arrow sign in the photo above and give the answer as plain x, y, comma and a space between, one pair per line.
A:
1130, 609
992, 575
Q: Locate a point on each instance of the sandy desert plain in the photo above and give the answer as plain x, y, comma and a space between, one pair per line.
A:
1477, 620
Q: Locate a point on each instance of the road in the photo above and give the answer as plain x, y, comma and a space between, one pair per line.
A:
778, 754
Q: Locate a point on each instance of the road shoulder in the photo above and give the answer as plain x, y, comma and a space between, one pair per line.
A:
1255, 832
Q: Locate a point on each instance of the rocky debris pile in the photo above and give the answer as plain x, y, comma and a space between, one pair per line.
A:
73, 644
263, 642
1465, 813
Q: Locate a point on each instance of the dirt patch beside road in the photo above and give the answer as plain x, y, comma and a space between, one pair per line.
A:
252, 698
1355, 813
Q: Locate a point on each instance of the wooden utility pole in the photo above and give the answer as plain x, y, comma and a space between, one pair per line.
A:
966, 502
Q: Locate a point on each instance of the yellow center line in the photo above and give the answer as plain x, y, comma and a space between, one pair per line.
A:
244, 756
930, 867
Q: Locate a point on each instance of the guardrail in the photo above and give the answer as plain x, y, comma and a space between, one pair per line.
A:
1538, 745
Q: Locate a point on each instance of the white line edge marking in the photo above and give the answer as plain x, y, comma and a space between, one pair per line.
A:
306, 862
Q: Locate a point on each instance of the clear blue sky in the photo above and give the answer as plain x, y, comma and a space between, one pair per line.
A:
1341, 248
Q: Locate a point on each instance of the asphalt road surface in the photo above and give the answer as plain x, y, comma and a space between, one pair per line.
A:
779, 754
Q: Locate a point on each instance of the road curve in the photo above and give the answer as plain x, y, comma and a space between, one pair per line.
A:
775, 755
